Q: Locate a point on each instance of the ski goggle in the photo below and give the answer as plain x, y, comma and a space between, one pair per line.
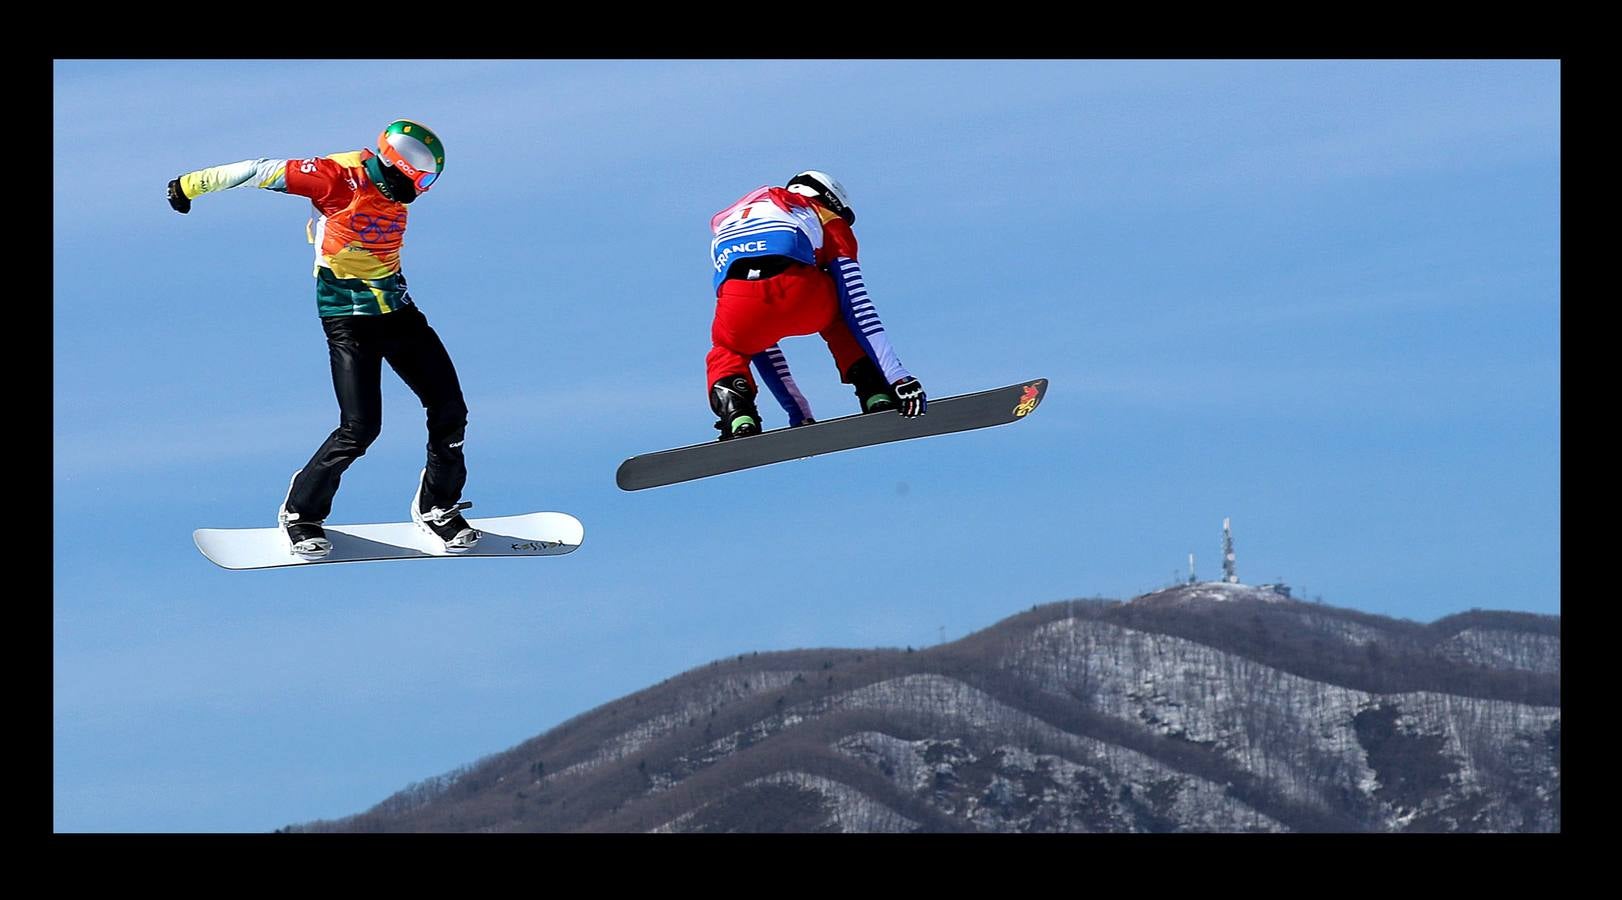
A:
392, 155
420, 179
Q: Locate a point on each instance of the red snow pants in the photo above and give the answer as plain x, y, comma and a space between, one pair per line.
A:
753, 315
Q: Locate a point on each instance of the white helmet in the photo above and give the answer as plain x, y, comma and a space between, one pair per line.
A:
826, 188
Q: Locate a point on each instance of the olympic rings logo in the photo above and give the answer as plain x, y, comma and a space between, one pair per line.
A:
375, 229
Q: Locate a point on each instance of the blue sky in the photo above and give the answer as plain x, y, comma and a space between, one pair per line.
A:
1321, 298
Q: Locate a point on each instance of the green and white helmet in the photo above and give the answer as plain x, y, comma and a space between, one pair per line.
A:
413, 150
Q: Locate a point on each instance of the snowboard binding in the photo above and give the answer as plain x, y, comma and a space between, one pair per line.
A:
872, 391
444, 523
733, 399
307, 540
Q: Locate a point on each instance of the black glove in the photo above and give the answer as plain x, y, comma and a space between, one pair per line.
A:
910, 395
178, 198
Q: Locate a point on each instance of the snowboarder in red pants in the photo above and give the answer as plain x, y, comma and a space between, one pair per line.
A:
785, 264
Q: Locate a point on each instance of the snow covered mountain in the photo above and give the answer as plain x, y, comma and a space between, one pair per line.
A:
1207, 707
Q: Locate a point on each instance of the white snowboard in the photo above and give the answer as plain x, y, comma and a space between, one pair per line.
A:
535, 534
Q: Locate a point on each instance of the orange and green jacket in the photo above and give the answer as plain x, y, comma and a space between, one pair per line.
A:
357, 232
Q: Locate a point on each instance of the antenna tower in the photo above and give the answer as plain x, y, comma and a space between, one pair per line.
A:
1230, 570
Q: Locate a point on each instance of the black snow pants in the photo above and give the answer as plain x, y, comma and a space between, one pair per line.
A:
358, 345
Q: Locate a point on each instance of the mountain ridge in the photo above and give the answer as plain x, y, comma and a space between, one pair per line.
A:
1189, 708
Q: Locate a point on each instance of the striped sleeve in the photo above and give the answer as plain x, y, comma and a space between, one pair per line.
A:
773, 370
269, 174
863, 319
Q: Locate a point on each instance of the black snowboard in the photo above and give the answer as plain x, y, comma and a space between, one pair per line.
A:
944, 416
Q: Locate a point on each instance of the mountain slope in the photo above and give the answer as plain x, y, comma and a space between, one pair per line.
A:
1199, 708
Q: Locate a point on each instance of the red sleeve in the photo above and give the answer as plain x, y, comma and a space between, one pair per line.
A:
327, 183
838, 239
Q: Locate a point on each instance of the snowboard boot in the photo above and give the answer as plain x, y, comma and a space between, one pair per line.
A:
872, 391
733, 399
306, 539
444, 523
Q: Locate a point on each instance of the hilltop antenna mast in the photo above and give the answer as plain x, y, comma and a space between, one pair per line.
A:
1230, 570
1191, 568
